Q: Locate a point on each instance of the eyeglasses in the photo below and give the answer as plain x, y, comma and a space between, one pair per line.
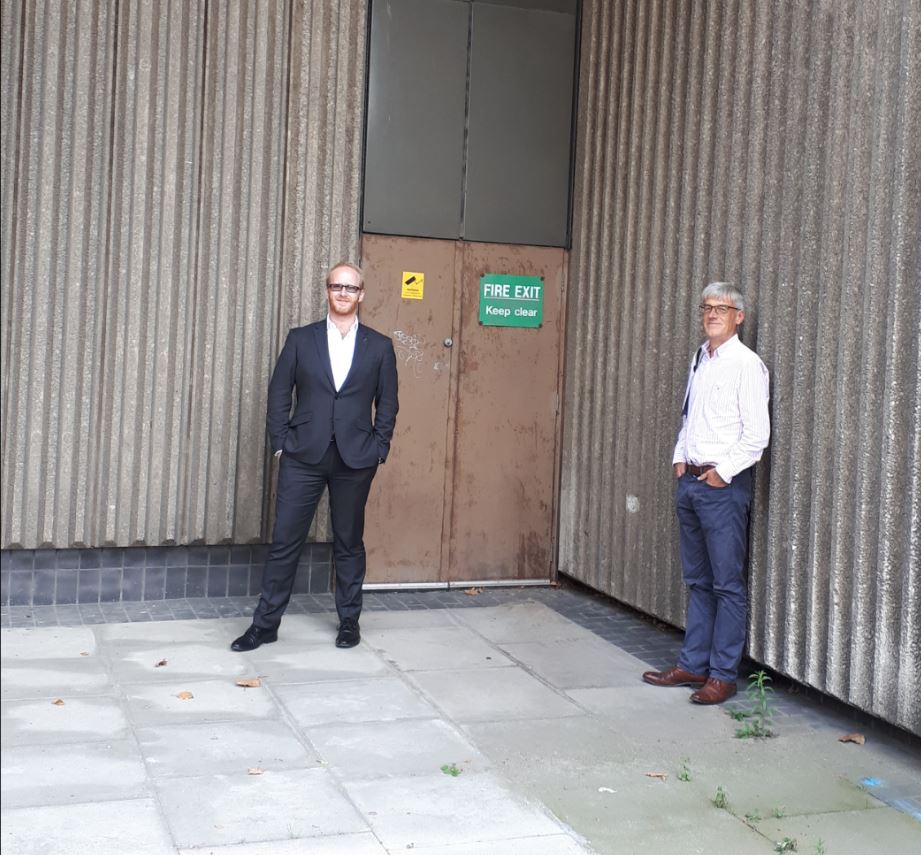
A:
720, 310
336, 287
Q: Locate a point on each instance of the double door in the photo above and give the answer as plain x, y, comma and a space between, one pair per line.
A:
469, 491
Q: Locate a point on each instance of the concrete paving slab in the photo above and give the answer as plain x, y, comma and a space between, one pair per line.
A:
64, 774
100, 828
371, 621
57, 642
619, 809
436, 648
222, 748
879, 763
53, 678
708, 834
294, 662
342, 844
544, 744
487, 694
554, 844
139, 662
398, 748
870, 831
521, 622
277, 805
799, 783
77, 720
212, 700
578, 664
167, 632
437, 810
352, 701
652, 714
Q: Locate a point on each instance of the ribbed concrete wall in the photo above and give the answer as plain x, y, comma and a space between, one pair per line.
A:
775, 144
176, 177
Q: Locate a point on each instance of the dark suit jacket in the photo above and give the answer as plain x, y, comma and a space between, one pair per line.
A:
322, 413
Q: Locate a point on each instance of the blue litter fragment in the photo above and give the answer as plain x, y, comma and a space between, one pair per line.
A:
871, 782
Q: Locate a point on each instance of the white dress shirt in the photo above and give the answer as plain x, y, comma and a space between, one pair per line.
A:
727, 423
341, 350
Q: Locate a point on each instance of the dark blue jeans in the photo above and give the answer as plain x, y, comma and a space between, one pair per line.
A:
713, 523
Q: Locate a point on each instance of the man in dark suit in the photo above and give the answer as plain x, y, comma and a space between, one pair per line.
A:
341, 371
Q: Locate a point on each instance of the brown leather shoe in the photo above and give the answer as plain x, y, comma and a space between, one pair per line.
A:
674, 677
714, 692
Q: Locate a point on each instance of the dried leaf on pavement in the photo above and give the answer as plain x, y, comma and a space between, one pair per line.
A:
661, 776
856, 738
254, 683
473, 592
254, 770
160, 664
185, 696
58, 702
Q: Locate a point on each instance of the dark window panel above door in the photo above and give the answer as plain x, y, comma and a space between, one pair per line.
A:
470, 120
519, 125
416, 111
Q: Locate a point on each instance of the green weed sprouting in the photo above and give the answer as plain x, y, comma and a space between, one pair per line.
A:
760, 712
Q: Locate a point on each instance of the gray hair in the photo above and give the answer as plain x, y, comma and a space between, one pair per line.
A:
725, 291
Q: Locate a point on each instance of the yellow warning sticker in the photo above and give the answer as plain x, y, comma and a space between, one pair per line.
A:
413, 285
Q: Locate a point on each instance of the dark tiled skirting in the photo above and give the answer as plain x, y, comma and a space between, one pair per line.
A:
50, 577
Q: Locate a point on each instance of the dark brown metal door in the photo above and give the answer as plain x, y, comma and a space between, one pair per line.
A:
469, 491
405, 527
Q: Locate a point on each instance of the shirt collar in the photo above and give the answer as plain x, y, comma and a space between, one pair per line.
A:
724, 348
330, 326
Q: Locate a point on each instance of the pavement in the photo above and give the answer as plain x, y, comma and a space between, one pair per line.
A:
499, 722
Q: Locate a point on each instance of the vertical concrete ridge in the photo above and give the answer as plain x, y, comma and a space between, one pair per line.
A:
176, 179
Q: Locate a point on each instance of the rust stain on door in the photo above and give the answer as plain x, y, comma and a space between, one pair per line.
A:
506, 436
406, 511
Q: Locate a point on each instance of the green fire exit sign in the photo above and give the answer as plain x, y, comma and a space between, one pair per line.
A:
511, 301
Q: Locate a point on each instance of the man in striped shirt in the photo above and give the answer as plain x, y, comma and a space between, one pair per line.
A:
725, 427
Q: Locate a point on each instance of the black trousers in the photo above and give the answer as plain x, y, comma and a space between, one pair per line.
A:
300, 486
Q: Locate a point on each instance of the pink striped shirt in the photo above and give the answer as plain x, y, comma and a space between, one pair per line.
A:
727, 423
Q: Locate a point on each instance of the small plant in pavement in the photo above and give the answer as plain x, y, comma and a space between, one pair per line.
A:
451, 769
788, 844
754, 816
779, 812
819, 847
758, 716
684, 773
720, 800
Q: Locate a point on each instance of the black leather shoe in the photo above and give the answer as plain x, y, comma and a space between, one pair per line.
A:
253, 638
348, 635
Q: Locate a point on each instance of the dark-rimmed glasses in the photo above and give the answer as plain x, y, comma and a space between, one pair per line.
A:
336, 287
722, 310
